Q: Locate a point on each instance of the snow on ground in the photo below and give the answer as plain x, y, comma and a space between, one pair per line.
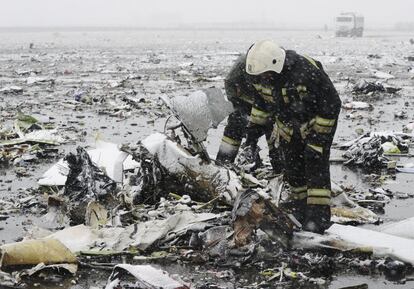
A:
107, 84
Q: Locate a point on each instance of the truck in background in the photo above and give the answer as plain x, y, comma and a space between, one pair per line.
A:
349, 25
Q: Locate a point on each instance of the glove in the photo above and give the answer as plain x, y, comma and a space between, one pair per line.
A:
249, 158
317, 218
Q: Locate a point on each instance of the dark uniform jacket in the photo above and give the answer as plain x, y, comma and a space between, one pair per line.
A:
238, 90
301, 98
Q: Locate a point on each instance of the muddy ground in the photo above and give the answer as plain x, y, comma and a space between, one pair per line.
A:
150, 63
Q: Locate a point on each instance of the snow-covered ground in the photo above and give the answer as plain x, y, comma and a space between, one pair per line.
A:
118, 76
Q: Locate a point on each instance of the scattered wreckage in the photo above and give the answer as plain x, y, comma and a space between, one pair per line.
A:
374, 150
29, 139
367, 87
164, 198
369, 150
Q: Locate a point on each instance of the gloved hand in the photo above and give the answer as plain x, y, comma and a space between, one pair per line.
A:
249, 158
317, 218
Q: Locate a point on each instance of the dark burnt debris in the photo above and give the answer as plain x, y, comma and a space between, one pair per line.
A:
86, 182
370, 151
367, 87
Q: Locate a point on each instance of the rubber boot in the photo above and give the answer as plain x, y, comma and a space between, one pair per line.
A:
227, 153
317, 218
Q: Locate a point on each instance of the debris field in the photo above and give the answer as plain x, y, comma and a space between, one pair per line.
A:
101, 187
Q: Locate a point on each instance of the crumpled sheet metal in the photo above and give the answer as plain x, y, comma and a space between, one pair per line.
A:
146, 277
66, 268
256, 209
48, 137
96, 215
382, 75
30, 130
201, 111
215, 240
55, 175
85, 183
217, 180
82, 238
384, 245
345, 238
248, 212
33, 252
357, 215
357, 105
366, 87
106, 156
85, 179
406, 168
244, 204
152, 231
141, 235
368, 151
346, 211
383, 134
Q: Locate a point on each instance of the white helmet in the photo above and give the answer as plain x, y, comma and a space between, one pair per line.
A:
264, 56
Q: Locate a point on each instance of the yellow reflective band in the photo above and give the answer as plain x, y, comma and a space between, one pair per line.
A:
299, 196
302, 91
284, 95
322, 129
284, 135
268, 98
246, 98
319, 149
325, 121
266, 90
299, 189
318, 201
284, 131
301, 88
284, 128
299, 193
259, 113
325, 193
258, 120
259, 117
231, 141
305, 128
311, 60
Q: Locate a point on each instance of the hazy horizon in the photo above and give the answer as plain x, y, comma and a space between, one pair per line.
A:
182, 13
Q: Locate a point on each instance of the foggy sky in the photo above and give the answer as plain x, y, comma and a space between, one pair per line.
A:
164, 13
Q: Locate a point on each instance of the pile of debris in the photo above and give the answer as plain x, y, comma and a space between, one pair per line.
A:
164, 199
234, 230
29, 139
367, 87
371, 149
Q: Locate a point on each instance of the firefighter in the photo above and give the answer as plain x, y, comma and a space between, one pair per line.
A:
242, 94
295, 91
